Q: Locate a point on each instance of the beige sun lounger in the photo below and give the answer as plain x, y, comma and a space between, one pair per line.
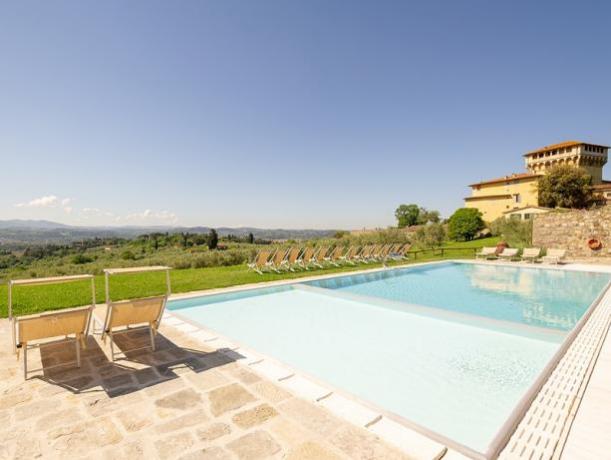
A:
120, 317
260, 262
531, 254
351, 255
400, 251
306, 260
554, 256
38, 327
278, 260
365, 254
127, 314
335, 256
291, 259
486, 253
376, 252
509, 253
321, 256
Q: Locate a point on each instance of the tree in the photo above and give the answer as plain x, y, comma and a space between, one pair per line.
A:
464, 224
425, 216
213, 239
251, 238
565, 186
514, 232
407, 215
431, 236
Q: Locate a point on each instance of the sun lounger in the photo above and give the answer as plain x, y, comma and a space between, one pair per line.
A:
320, 257
351, 255
260, 262
486, 253
291, 259
120, 317
554, 256
365, 254
400, 252
509, 253
62, 323
306, 259
335, 256
531, 254
375, 254
384, 253
277, 261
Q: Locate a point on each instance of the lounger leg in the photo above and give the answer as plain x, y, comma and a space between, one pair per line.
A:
112, 347
25, 360
78, 350
152, 337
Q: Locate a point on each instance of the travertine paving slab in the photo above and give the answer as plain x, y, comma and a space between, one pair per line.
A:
350, 410
305, 388
411, 442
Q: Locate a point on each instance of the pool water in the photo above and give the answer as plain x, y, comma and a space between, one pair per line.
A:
534, 296
461, 378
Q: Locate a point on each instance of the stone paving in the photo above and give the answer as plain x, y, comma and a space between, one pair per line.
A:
181, 401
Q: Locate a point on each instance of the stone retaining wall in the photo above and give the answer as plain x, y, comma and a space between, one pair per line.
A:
572, 230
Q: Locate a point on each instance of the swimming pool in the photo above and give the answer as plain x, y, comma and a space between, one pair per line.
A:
451, 347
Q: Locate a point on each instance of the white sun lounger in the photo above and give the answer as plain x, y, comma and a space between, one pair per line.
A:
486, 253
554, 256
509, 253
531, 254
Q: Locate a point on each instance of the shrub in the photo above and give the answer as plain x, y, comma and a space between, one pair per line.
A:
464, 224
181, 264
516, 233
128, 255
80, 259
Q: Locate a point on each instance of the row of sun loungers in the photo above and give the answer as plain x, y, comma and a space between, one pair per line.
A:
553, 256
310, 258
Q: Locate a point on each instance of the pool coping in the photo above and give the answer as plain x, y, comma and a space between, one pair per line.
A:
278, 371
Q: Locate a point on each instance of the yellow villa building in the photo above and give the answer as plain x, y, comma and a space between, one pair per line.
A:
516, 194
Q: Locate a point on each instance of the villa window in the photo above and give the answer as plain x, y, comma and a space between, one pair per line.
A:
527, 216
517, 198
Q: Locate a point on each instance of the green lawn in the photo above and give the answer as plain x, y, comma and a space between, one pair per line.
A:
31, 299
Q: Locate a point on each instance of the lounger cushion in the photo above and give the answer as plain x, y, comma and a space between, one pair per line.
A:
55, 324
131, 312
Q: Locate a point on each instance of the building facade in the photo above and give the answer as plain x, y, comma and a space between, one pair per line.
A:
498, 197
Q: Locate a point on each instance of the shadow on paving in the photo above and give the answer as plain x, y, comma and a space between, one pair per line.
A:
134, 371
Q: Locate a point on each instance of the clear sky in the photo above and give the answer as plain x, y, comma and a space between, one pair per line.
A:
320, 114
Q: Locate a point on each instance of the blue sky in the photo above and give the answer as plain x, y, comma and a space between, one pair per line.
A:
321, 114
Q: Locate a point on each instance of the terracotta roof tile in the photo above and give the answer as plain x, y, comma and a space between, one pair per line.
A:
515, 176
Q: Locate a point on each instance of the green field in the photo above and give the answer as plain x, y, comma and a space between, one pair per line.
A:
31, 299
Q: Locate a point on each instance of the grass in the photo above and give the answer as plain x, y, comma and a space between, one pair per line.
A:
33, 299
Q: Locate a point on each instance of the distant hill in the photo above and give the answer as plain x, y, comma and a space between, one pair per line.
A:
31, 224
28, 232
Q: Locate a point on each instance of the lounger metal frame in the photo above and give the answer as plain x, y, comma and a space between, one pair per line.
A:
152, 329
14, 320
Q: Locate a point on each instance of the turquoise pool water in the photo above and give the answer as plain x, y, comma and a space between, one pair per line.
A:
459, 378
534, 296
